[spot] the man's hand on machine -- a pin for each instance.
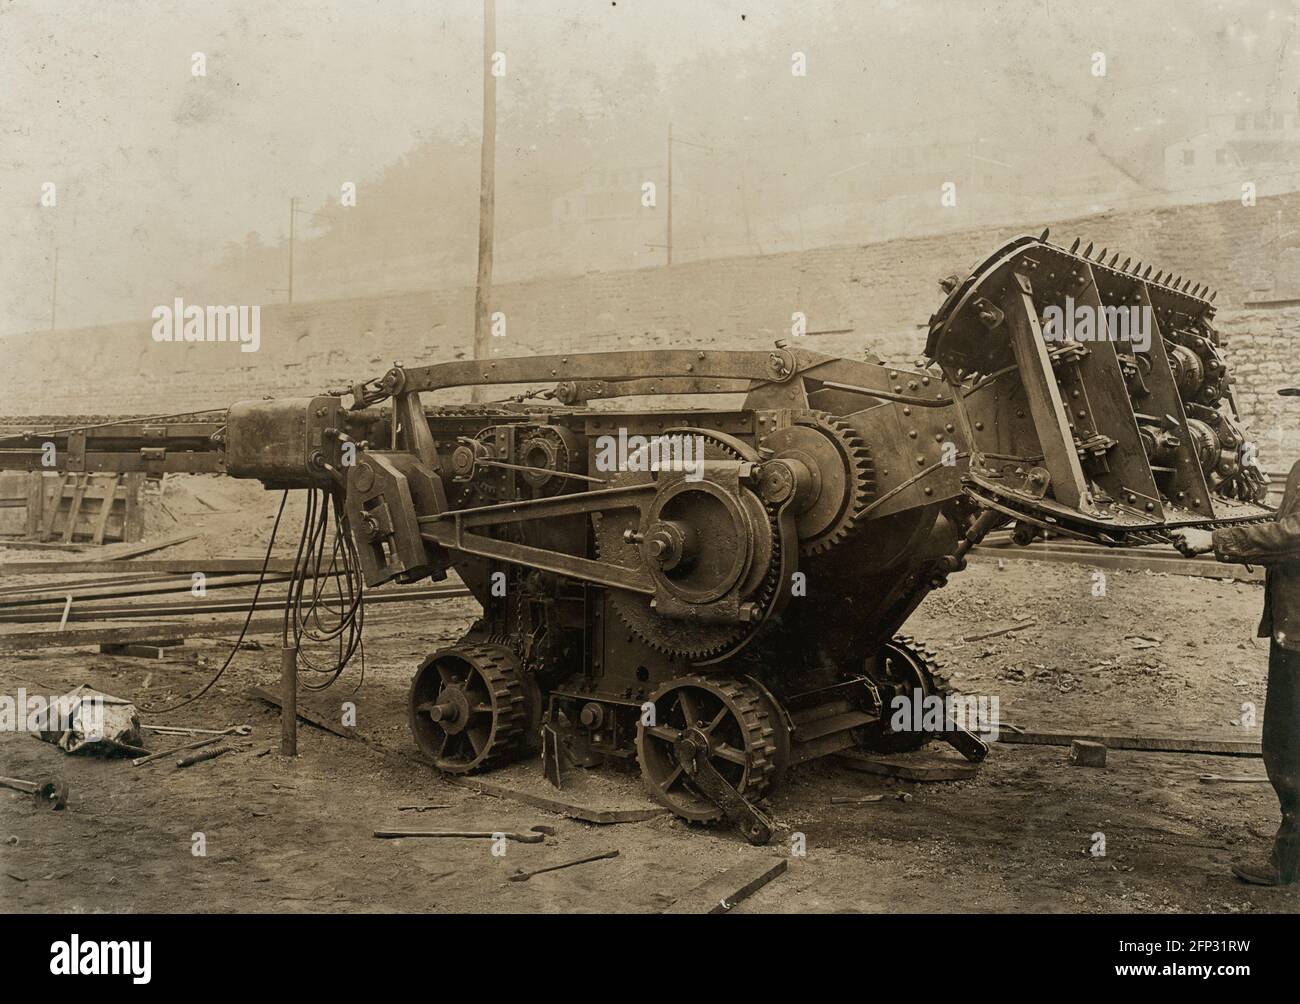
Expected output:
(1191, 542)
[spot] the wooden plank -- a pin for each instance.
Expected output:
(157, 545)
(36, 641)
(57, 592)
(108, 484)
(13, 520)
(124, 610)
(1153, 744)
(13, 487)
(908, 768)
(60, 588)
(133, 520)
(35, 504)
(306, 714)
(42, 545)
(74, 508)
(1100, 559)
(156, 649)
(51, 510)
(723, 892)
(186, 566)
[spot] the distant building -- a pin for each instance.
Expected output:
(1257, 145)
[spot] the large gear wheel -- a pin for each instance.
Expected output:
(726, 716)
(904, 666)
(844, 477)
(693, 640)
(467, 707)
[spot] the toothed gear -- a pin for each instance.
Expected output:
(911, 665)
(845, 476)
(693, 640)
(734, 715)
(467, 707)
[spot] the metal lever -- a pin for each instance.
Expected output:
(753, 824)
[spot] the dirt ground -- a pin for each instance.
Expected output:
(296, 836)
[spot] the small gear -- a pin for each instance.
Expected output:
(844, 477)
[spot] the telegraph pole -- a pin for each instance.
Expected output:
(670, 193)
(487, 192)
(293, 212)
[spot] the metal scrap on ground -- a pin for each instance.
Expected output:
(1000, 631)
(723, 892)
(524, 876)
(534, 835)
(1153, 744)
(892, 796)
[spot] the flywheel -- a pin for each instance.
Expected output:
(468, 707)
(708, 543)
(724, 720)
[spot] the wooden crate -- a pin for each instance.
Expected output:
(49, 507)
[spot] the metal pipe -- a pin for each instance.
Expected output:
(289, 700)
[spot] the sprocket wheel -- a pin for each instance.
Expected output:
(844, 476)
(904, 666)
(467, 707)
(728, 716)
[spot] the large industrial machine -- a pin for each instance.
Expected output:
(715, 594)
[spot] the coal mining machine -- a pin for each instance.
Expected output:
(711, 595)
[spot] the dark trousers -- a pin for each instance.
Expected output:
(1281, 743)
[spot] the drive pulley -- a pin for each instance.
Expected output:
(712, 546)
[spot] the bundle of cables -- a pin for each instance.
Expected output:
(323, 609)
(324, 612)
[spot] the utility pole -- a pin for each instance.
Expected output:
(293, 212)
(54, 287)
(670, 193)
(486, 193)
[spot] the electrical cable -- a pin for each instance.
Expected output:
(190, 699)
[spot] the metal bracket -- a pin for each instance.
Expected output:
(753, 824)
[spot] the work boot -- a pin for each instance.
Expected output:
(1281, 868)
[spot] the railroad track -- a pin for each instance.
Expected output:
(1152, 558)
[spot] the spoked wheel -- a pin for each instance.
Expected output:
(467, 707)
(902, 667)
(718, 718)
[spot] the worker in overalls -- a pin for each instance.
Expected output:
(1275, 545)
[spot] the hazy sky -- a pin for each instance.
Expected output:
(156, 170)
